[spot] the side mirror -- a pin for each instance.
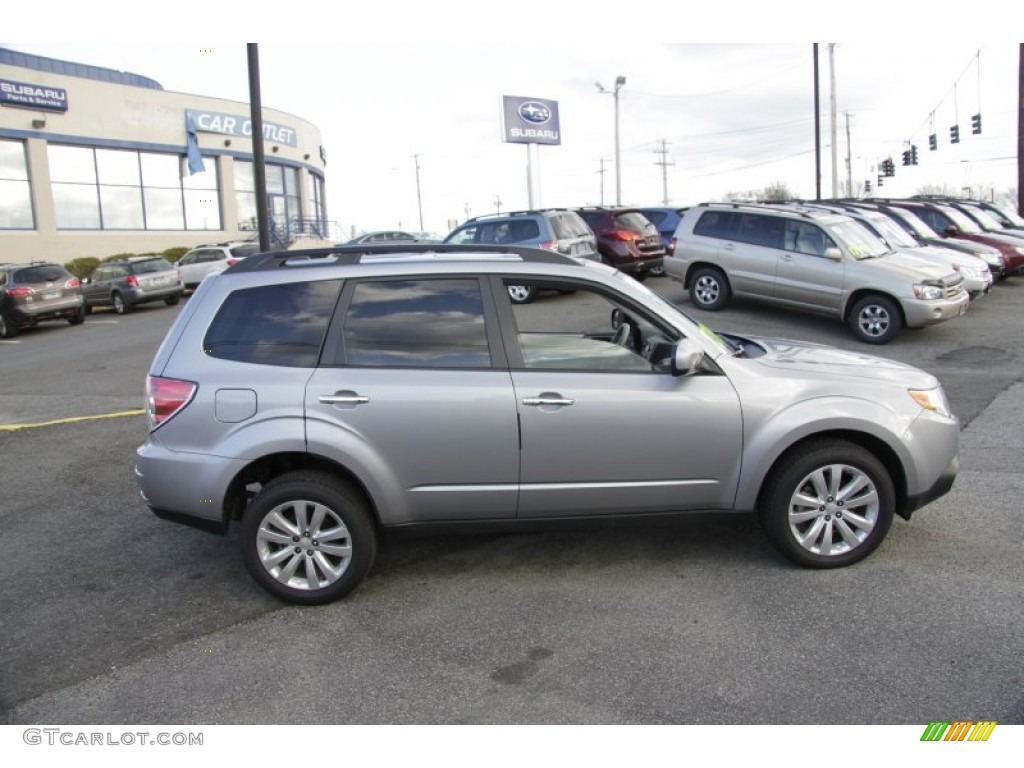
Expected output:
(618, 317)
(952, 230)
(686, 357)
(833, 253)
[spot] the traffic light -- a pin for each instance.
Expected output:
(906, 157)
(867, 184)
(913, 154)
(880, 180)
(976, 123)
(888, 167)
(933, 142)
(954, 134)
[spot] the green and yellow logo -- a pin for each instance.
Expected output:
(959, 730)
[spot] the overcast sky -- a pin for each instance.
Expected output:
(735, 116)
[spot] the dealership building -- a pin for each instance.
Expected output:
(96, 162)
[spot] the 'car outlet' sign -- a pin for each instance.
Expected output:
(238, 125)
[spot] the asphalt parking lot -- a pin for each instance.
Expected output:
(113, 616)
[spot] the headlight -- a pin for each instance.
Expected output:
(932, 400)
(992, 259)
(928, 292)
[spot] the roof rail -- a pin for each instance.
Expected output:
(352, 254)
(531, 212)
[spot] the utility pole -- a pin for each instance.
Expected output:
(601, 173)
(664, 162)
(849, 161)
(817, 129)
(619, 82)
(832, 111)
(497, 203)
(466, 209)
(1020, 130)
(419, 200)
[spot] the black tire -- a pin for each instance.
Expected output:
(658, 271)
(170, 301)
(8, 329)
(345, 513)
(875, 319)
(827, 534)
(522, 294)
(639, 276)
(87, 308)
(121, 306)
(709, 289)
(78, 318)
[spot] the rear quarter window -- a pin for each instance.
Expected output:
(274, 324)
(714, 224)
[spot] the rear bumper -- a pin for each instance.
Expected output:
(51, 310)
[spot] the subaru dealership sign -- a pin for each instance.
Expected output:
(15, 94)
(530, 121)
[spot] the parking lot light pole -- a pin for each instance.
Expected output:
(619, 82)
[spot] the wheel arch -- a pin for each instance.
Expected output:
(861, 293)
(874, 445)
(264, 469)
(711, 265)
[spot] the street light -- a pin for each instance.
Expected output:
(619, 82)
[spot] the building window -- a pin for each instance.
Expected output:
(120, 189)
(283, 196)
(15, 192)
(245, 196)
(316, 207)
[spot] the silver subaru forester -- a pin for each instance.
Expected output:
(325, 397)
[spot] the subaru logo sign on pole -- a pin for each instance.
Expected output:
(530, 121)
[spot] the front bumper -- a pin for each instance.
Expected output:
(919, 313)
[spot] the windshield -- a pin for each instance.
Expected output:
(858, 240)
(985, 219)
(962, 221)
(893, 233)
(915, 222)
(1010, 215)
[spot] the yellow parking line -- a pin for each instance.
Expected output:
(72, 420)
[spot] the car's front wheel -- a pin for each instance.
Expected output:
(709, 288)
(875, 319)
(522, 294)
(308, 538)
(827, 504)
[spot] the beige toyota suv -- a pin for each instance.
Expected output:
(809, 260)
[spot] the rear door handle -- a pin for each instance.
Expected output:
(344, 398)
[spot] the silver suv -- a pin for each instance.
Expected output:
(809, 260)
(324, 397)
(554, 229)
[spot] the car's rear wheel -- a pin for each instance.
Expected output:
(78, 318)
(522, 294)
(875, 319)
(121, 306)
(709, 288)
(8, 329)
(308, 538)
(170, 301)
(827, 504)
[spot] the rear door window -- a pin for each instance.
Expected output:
(767, 231)
(274, 324)
(429, 323)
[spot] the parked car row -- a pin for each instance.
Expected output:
(43, 291)
(619, 237)
(823, 259)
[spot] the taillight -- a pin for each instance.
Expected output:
(232, 262)
(19, 292)
(624, 235)
(132, 280)
(551, 245)
(72, 283)
(165, 397)
(672, 247)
